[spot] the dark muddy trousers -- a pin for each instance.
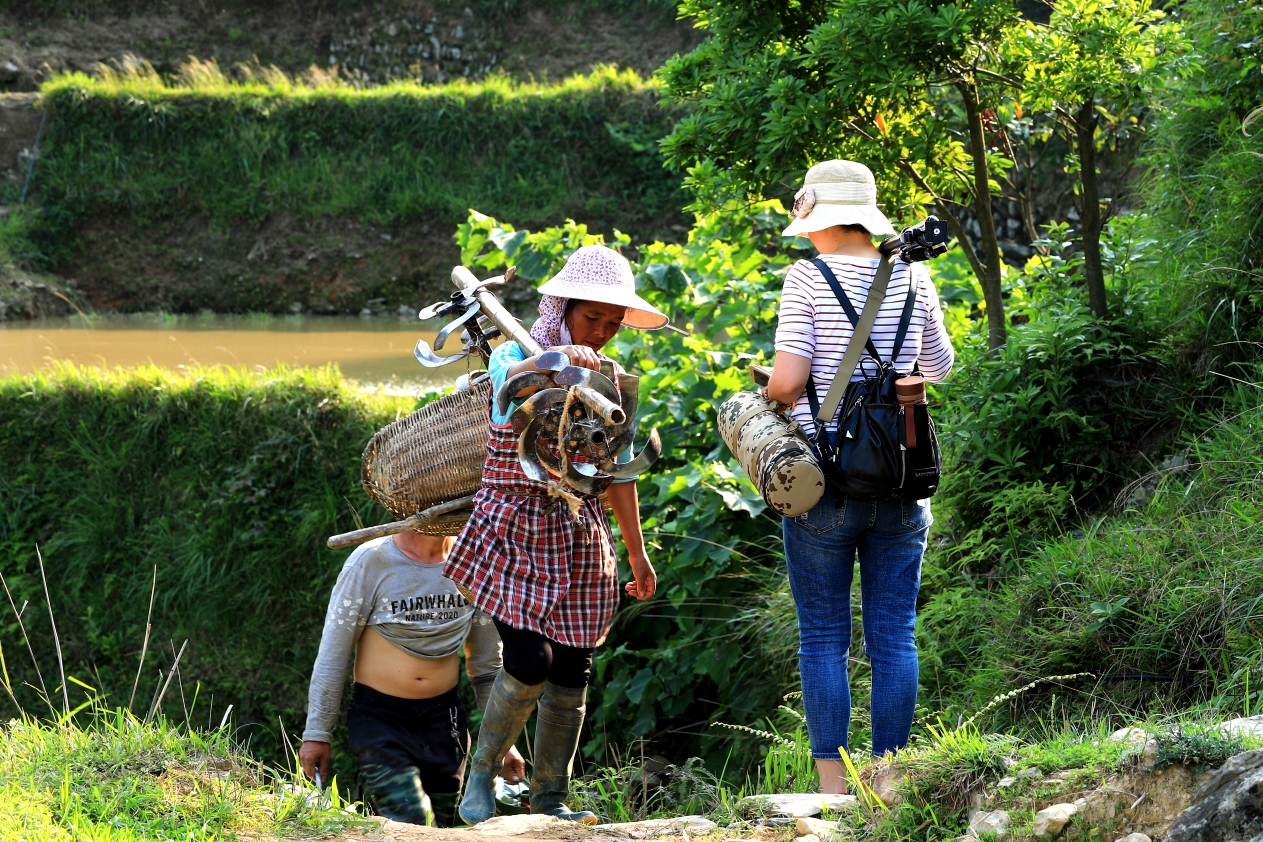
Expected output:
(407, 749)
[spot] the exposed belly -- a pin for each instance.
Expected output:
(388, 669)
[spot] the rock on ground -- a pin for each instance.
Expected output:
(798, 804)
(994, 821)
(653, 828)
(1246, 726)
(818, 829)
(1051, 820)
(1228, 805)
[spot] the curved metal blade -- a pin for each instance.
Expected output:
(429, 359)
(452, 325)
(534, 407)
(526, 453)
(643, 461)
(440, 309)
(573, 375)
(514, 386)
(552, 361)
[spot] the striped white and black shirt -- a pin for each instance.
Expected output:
(812, 324)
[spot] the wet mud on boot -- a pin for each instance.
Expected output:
(508, 708)
(561, 712)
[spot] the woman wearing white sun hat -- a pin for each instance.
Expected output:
(549, 580)
(837, 209)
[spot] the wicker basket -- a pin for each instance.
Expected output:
(433, 456)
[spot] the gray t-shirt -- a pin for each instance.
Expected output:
(408, 603)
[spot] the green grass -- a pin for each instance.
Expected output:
(227, 482)
(199, 145)
(106, 776)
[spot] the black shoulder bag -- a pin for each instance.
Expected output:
(880, 453)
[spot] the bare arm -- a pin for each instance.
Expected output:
(626, 504)
(789, 378)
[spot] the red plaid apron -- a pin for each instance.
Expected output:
(527, 562)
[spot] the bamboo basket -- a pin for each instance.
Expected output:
(431, 457)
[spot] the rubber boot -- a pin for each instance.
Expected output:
(561, 711)
(507, 711)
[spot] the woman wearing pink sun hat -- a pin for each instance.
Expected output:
(549, 580)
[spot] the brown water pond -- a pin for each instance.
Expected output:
(371, 351)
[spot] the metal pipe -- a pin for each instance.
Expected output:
(494, 310)
(607, 410)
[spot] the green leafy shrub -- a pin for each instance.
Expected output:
(1159, 603)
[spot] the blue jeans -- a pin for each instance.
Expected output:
(820, 548)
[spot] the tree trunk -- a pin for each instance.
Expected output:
(1090, 216)
(990, 256)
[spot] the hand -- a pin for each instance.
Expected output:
(646, 582)
(513, 770)
(580, 355)
(315, 755)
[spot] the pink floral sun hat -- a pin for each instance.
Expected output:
(598, 273)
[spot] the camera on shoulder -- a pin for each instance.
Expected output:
(923, 241)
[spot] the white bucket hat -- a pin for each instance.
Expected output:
(598, 273)
(838, 193)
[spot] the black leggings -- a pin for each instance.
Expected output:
(532, 658)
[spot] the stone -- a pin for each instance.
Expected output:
(994, 821)
(516, 825)
(798, 803)
(809, 838)
(816, 829)
(653, 828)
(1006, 782)
(1051, 820)
(8, 71)
(1134, 837)
(885, 784)
(1246, 726)
(1029, 774)
(1226, 805)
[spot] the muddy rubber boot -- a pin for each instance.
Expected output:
(507, 711)
(561, 711)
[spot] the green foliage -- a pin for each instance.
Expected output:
(116, 779)
(1204, 192)
(130, 142)
(902, 89)
(633, 792)
(1194, 746)
(228, 482)
(1167, 590)
(1093, 68)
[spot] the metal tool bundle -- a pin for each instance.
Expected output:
(572, 425)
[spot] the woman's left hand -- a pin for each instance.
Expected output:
(646, 582)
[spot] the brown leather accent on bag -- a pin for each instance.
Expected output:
(911, 391)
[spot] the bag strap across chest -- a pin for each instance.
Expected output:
(861, 336)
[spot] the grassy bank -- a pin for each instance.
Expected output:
(192, 191)
(110, 776)
(227, 482)
(238, 152)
